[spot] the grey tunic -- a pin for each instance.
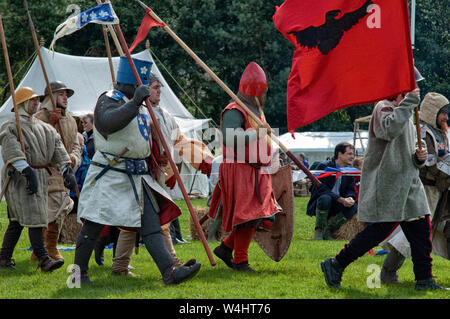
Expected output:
(391, 190)
(43, 147)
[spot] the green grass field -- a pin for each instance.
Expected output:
(296, 276)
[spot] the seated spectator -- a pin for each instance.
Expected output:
(302, 158)
(335, 199)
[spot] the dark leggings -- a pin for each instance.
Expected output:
(417, 232)
(12, 235)
(150, 232)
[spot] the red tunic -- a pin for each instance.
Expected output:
(239, 185)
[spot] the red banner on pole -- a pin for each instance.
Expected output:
(347, 53)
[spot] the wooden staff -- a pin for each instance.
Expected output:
(13, 97)
(108, 52)
(231, 94)
(417, 120)
(166, 148)
(47, 82)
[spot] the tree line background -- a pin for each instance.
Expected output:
(226, 35)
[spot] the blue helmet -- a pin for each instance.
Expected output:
(125, 75)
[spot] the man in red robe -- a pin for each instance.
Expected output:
(244, 189)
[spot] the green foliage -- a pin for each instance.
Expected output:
(226, 35)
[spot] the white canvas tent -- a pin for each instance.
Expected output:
(317, 146)
(89, 77)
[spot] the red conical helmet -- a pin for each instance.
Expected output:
(253, 80)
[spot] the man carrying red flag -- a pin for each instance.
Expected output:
(347, 53)
(244, 191)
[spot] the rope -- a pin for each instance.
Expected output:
(17, 73)
(185, 93)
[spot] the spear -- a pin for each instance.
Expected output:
(166, 148)
(13, 97)
(230, 93)
(47, 82)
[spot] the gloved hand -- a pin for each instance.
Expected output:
(142, 92)
(69, 178)
(55, 116)
(162, 160)
(206, 166)
(32, 181)
(171, 182)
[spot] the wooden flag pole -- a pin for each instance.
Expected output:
(166, 148)
(232, 95)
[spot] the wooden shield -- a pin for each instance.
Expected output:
(275, 243)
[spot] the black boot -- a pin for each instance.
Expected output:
(10, 239)
(47, 264)
(429, 283)
(8, 263)
(176, 275)
(243, 266)
(86, 241)
(333, 272)
(225, 253)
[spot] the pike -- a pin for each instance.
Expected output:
(13, 97)
(166, 28)
(47, 82)
(166, 148)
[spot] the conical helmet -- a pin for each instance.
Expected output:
(253, 81)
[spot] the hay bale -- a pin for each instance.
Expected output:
(70, 229)
(200, 212)
(349, 229)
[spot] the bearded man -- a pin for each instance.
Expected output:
(59, 201)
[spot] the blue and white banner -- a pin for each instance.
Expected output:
(101, 14)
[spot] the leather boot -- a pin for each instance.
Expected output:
(321, 223)
(335, 223)
(176, 275)
(394, 260)
(8, 263)
(243, 266)
(47, 264)
(333, 272)
(51, 241)
(428, 284)
(225, 253)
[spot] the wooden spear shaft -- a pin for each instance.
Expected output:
(231, 94)
(13, 97)
(47, 82)
(108, 52)
(166, 148)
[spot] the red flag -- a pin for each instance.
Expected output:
(358, 55)
(147, 23)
